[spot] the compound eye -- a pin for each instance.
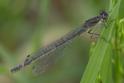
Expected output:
(104, 15)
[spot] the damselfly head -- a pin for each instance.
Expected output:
(104, 15)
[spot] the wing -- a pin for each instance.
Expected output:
(44, 63)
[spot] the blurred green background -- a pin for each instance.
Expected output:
(26, 25)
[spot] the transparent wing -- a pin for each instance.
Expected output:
(44, 63)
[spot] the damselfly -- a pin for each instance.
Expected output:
(49, 49)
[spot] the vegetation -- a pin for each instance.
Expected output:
(26, 25)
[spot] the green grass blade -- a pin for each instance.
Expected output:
(101, 53)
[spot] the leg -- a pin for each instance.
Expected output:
(93, 35)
